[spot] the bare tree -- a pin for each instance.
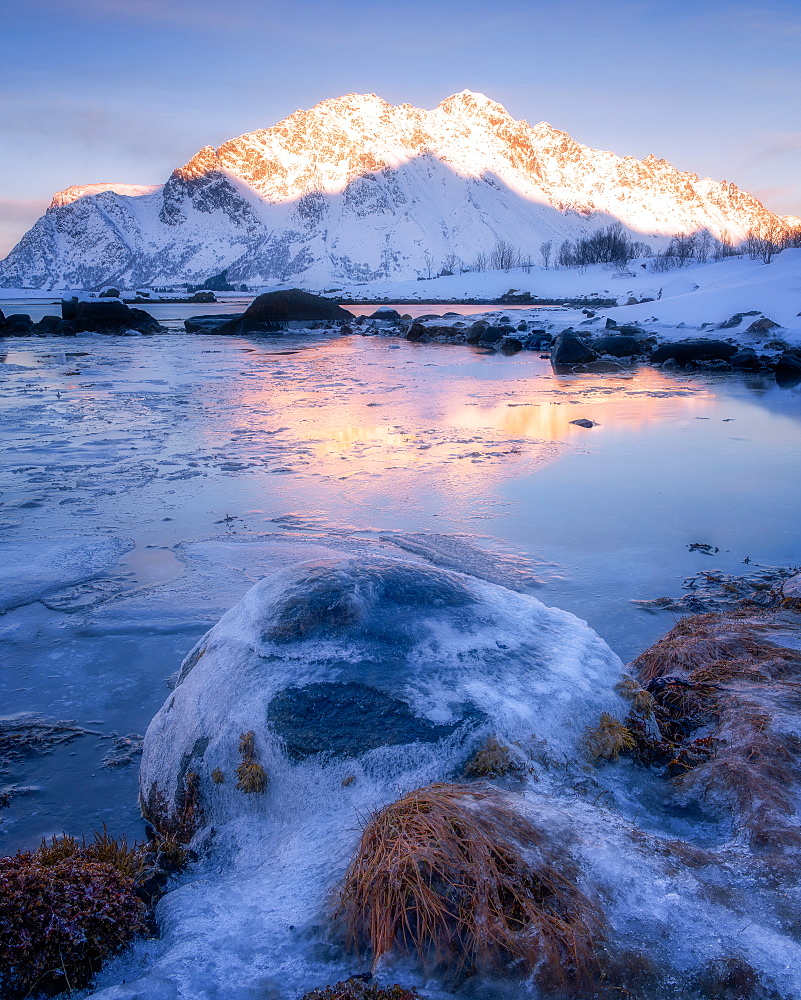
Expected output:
(451, 264)
(503, 256)
(428, 260)
(545, 252)
(770, 241)
(481, 262)
(703, 246)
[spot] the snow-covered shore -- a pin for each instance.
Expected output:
(673, 305)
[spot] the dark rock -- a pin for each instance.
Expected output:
(204, 296)
(22, 318)
(568, 349)
(206, 324)
(492, 334)
(618, 346)
(108, 316)
(346, 330)
(429, 316)
(50, 325)
(511, 345)
(763, 325)
(345, 720)
(415, 332)
(686, 351)
(610, 324)
(744, 358)
(736, 319)
(788, 364)
(2, 317)
(583, 422)
(269, 313)
(18, 325)
(631, 331)
(110, 293)
(522, 326)
(387, 314)
(474, 332)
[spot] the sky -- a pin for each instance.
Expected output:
(126, 90)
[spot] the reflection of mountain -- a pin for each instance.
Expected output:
(356, 189)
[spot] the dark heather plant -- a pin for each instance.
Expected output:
(60, 918)
(69, 905)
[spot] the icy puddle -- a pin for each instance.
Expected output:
(148, 483)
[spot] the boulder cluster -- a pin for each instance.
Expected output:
(570, 348)
(108, 315)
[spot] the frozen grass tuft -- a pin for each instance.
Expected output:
(608, 739)
(455, 876)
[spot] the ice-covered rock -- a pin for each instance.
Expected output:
(368, 661)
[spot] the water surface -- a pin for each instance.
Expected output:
(148, 482)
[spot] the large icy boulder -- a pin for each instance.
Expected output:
(365, 664)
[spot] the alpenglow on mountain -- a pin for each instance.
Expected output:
(355, 190)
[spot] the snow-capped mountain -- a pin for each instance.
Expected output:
(355, 190)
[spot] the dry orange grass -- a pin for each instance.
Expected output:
(696, 642)
(446, 873)
(608, 739)
(742, 692)
(251, 776)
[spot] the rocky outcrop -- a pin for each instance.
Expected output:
(618, 346)
(107, 316)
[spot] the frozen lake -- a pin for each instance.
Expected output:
(148, 482)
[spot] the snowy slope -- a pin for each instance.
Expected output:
(358, 190)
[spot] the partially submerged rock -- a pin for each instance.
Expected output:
(569, 349)
(108, 316)
(271, 312)
(788, 364)
(684, 352)
(618, 346)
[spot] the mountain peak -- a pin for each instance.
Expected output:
(472, 102)
(355, 188)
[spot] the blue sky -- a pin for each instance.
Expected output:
(125, 90)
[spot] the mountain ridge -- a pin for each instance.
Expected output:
(355, 189)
